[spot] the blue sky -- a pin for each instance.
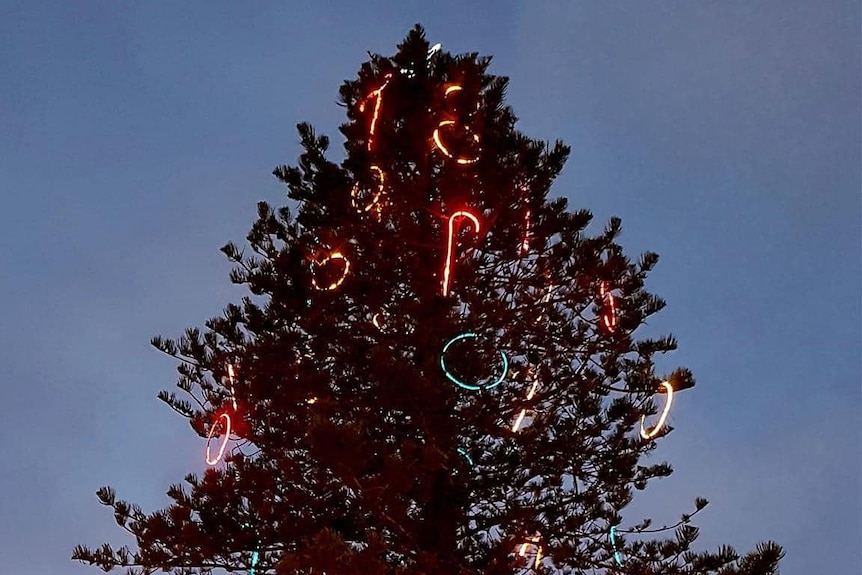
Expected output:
(136, 138)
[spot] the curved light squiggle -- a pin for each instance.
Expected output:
(333, 256)
(460, 383)
(375, 197)
(451, 244)
(436, 135)
(466, 456)
(649, 435)
(210, 460)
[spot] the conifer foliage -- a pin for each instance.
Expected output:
(438, 374)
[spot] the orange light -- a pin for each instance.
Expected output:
(232, 392)
(649, 435)
(375, 198)
(218, 457)
(447, 268)
(525, 245)
(530, 395)
(333, 256)
(461, 160)
(610, 320)
(378, 95)
(311, 400)
(378, 320)
(534, 541)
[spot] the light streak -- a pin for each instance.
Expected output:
(254, 557)
(333, 256)
(608, 297)
(530, 395)
(378, 95)
(375, 197)
(447, 268)
(232, 392)
(466, 456)
(218, 457)
(534, 541)
(460, 383)
(649, 435)
(525, 245)
(614, 543)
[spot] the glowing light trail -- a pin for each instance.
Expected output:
(378, 95)
(451, 242)
(460, 383)
(333, 256)
(649, 435)
(210, 460)
(609, 319)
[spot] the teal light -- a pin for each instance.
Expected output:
(467, 457)
(465, 385)
(614, 543)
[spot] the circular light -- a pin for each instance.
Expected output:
(218, 457)
(650, 434)
(465, 385)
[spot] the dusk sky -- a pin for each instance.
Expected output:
(137, 137)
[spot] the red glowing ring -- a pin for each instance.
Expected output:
(209, 459)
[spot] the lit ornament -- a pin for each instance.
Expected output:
(451, 244)
(649, 435)
(534, 541)
(460, 159)
(614, 543)
(460, 383)
(530, 395)
(378, 320)
(210, 460)
(378, 96)
(375, 197)
(333, 256)
(610, 319)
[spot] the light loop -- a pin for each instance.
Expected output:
(210, 460)
(336, 255)
(458, 382)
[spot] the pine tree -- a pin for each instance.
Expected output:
(438, 374)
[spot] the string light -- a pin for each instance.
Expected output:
(378, 95)
(614, 543)
(230, 378)
(530, 395)
(525, 245)
(649, 435)
(375, 198)
(451, 242)
(460, 383)
(534, 541)
(436, 135)
(254, 557)
(609, 319)
(209, 459)
(336, 255)
(379, 320)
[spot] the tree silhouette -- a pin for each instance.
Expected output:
(438, 375)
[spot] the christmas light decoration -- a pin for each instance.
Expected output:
(336, 255)
(614, 543)
(466, 456)
(254, 557)
(649, 435)
(460, 383)
(379, 320)
(378, 96)
(375, 197)
(230, 378)
(451, 244)
(525, 245)
(436, 135)
(610, 319)
(210, 460)
(534, 541)
(524, 411)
